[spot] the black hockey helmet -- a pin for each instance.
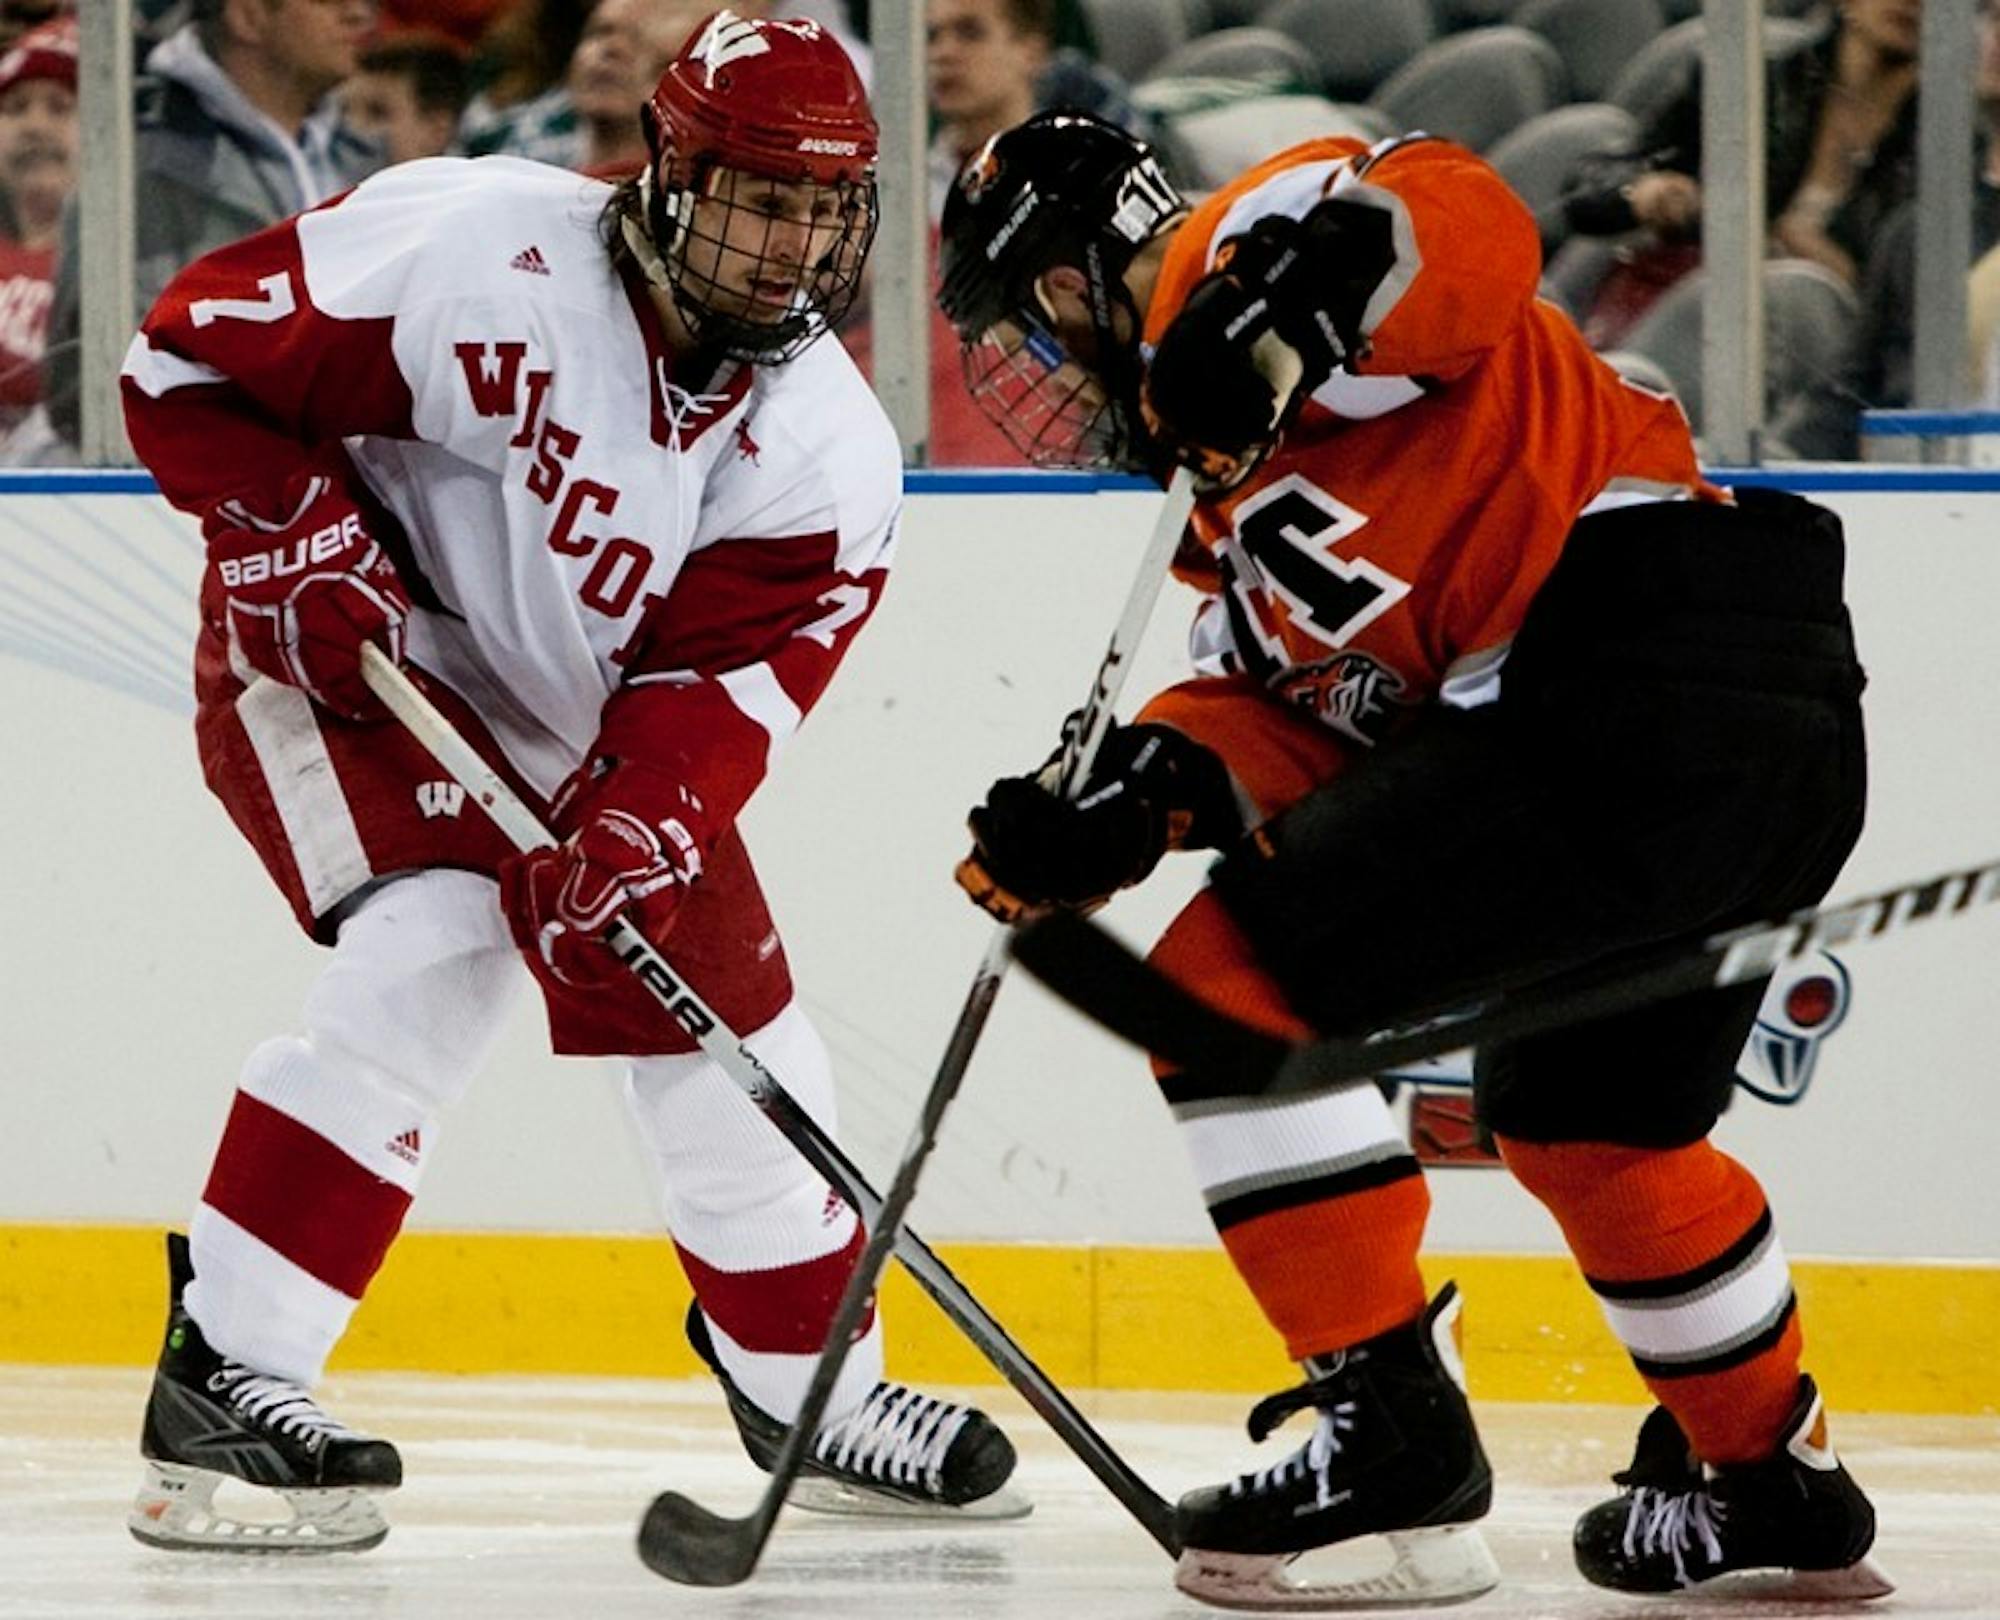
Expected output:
(1063, 188)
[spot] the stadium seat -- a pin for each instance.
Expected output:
(1573, 273)
(1811, 322)
(1234, 13)
(1357, 43)
(1260, 54)
(1475, 87)
(1132, 35)
(1669, 335)
(1212, 146)
(1658, 73)
(1681, 10)
(1595, 38)
(1538, 157)
(1638, 369)
(1453, 15)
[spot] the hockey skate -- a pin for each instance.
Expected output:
(210, 1420)
(1394, 1455)
(1794, 1525)
(902, 1454)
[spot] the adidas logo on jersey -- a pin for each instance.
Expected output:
(530, 259)
(408, 1146)
(436, 799)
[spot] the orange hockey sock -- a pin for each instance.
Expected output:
(1319, 1201)
(1679, 1247)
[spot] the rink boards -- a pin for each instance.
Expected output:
(145, 955)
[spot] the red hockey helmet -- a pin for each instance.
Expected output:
(776, 98)
(779, 103)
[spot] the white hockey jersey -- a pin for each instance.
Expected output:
(598, 555)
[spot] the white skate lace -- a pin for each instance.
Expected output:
(1314, 1457)
(1672, 1522)
(898, 1436)
(273, 1403)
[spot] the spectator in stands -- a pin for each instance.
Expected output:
(991, 63)
(1840, 128)
(571, 121)
(518, 74)
(38, 148)
(1889, 288)
(237, 128)
(981, 58)
(463, 23)
(407, 96)
(626, 46)
(17, 17)
(38, 134)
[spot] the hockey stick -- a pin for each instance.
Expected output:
(524, 830)
(741, 1065)
(686, 1542)
(1098, 976)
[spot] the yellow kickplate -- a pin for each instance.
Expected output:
(1891, 1337)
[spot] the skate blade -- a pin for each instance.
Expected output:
(1857, 1582)
(839, 1499)
(175, 1512)
(1443, 1564)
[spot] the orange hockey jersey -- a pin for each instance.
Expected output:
(1385, 553)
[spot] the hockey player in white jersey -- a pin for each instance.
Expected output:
(579, 456)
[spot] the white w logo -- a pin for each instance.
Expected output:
(436, 799)
(728, 38)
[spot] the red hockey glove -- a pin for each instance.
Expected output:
(1151, 789)
(634, 845)
(305, 589)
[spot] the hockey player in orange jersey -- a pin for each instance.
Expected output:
(1490, 682)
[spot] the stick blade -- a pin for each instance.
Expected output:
(685, 1542)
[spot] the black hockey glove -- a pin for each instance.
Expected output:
(1279, 312)
(1151, 789)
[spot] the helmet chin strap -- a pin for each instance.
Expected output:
(643, 229)
(1118, 364)
(649, 232)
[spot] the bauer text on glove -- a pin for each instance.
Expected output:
(305, 586)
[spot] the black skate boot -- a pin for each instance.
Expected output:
(903, 1454)
(210, 1419)
(1793, 1525)
(1394, 1454)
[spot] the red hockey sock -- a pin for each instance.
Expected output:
(290, 1187)
(781, 1310)
(1678, 1246)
